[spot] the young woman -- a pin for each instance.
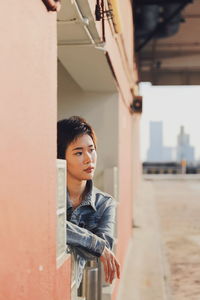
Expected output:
(90, 212)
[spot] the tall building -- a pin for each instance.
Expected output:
(154, 153)
(184, 150)
(157, 152)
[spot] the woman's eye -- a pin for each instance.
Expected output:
(91, 150)
(78, 153)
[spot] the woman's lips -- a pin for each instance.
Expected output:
(89, 170)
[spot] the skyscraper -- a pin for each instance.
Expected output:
(184, 150)
(154, 153)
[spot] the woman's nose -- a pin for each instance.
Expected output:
(87, 157)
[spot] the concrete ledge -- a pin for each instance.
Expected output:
(171, 177)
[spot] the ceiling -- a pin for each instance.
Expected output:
(81, 49)
(174, 60)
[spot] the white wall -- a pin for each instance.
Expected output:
(100, 110)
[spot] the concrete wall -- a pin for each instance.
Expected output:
(100, 110)
(117, 130)
(109, 113)
(28, 154)
(118, 145)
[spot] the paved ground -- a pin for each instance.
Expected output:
(178, 203)
(164, 256)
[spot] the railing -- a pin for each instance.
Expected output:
(171, 168)
(90, 288)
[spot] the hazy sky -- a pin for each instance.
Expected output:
(175, 106)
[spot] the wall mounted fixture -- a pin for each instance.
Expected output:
(100, 13)
(136, 105)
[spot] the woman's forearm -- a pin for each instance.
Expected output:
(83, 253)
(81, 237)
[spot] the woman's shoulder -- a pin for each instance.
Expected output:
(100, 192)
(102, 198)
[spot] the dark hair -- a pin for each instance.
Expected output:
(68, 130)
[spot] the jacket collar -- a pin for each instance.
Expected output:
(89, 199)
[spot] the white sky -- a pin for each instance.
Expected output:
(175, 106)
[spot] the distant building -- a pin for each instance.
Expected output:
(184, 150)
(154, 152)
(157, 152)
(167, 153)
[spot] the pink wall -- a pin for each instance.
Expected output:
(127, 23)
(28, 153)
(128, 158)
(125, 126)
(124, 216)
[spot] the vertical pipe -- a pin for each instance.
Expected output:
(91, 283)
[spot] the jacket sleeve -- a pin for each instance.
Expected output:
(84, 253)
(91, 244)
(105, 228)
(85, 239)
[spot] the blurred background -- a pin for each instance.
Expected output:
(169, 125)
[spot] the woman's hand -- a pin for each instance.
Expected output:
(52, 5)
(111, 265)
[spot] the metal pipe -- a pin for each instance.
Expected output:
(85, 21)
(81, 17)
(91, 289)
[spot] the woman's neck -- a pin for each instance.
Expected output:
(76, 189)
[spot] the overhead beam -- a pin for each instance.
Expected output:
(161, 25)
(168, 54)
(158, 2)
(171, 77)
(177, 45)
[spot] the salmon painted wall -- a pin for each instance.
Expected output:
(125, 8)
(124, 210)
(28, 154)
(125, 125)
(136, 159)
(125, 179)
(128, 126)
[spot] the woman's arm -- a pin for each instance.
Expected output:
(94, 242)
(83, 238)
(100, 243)
(105, 228)
(80, 238)
(84, 253)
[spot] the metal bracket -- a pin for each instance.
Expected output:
(100, 13)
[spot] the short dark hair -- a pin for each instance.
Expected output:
(68, 130)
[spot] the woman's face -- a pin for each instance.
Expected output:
(81, 158)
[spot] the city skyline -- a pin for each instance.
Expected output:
(158, 152)
(174, 106)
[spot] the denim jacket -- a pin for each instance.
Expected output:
(90, 227)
